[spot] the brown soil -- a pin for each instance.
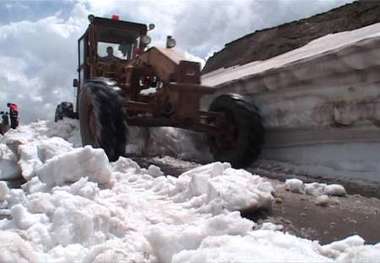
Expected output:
(343, 217)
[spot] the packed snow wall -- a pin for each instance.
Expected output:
(320, 103)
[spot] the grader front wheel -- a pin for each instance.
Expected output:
(102, 119)
(241, 134)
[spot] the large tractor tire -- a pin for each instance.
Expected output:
(102, 118)
(242, 133)
(64, 109)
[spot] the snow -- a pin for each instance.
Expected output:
(322, 200)
(15, 249)
(71, 166)
(148, 91)
(316, 47)
(335, 189)
(315, 189)
(295, 185)
(78, 207)
(4, 190)
(168, 141)
(8, 163)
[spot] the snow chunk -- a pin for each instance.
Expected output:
(148, 91)
(4, 190)
(314, 189)
(335, 190)
(240, 189)
(51, 147)
(67, 129)
(23, 219)
(256, 246)
(360, 254)
(168, 240)
(125, 165)
(70, 167)
(271, 226)
(155, 171)
(336, 248)
(34, 154)
(8, 163)
(217, 186)
(14, 249)
(29, 160)
(322, 200)
(295, 186)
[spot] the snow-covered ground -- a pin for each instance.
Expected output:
(78, 207)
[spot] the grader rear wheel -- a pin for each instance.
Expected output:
(242, 133)
(102, 118)
(64, 109)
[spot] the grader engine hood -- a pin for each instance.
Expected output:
(171, 65)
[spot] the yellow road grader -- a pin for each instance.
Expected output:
(122, 81)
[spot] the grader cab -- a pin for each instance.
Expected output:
(121, 81)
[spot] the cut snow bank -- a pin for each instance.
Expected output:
(316, 47)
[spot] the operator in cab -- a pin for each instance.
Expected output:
(110, 56)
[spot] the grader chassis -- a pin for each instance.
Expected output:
(153, 87)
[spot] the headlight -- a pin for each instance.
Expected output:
(146, 40)
(170, 42)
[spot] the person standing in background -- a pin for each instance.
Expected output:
(13, 114)
(4, 125)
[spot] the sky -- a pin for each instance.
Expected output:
(38, 39)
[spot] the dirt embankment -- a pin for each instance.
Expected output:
(267, 43)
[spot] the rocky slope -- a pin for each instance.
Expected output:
(271, 42)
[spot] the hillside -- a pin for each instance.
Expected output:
(267, 43)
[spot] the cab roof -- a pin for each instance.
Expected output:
(108, 22)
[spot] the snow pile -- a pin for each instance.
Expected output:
(215, 186)
(63, 215)
(260, 245)
(71, 166)
(169, 240)
(78, 207)
(24, 150)
(314, 189)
